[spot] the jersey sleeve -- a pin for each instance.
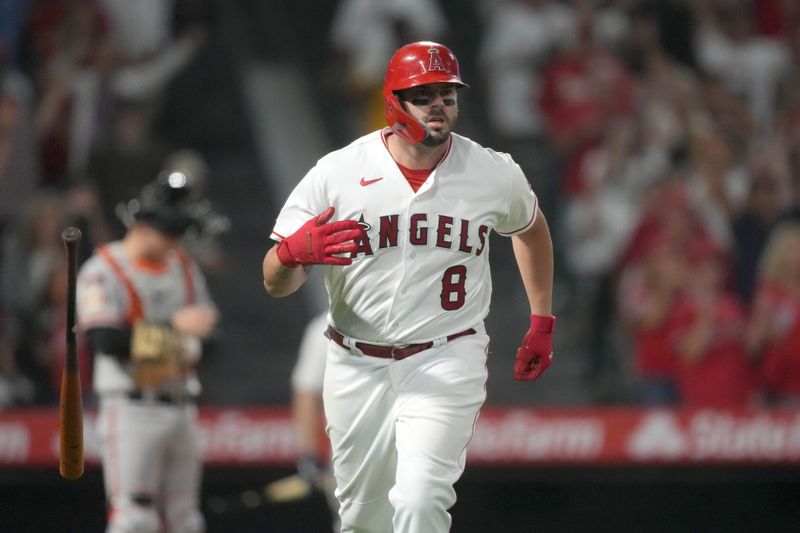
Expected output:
(100, 299)
(305, 202)
(522, 205)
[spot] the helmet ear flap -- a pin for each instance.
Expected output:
(402, 123)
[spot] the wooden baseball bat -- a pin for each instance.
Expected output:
(285, 490)
(71, 407)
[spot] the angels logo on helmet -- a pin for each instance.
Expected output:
(435, 62)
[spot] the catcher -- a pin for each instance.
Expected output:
(145, 309)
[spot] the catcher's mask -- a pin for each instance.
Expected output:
(415, 64)
(172, 206)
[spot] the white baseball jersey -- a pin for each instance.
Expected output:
(422, 272)
(103, 299)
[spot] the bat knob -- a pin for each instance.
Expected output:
(71, 234)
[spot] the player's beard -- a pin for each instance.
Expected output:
(438, 138)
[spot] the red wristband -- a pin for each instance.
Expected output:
(543, 324)
(284, 256)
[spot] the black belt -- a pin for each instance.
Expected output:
(160, 397)
(397, 351)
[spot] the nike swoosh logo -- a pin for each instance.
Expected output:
(365, 182)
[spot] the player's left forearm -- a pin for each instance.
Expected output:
(533, 250)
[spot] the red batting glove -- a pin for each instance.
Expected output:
(536, 352)
(316, 242)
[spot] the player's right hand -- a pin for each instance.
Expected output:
(318, 242)
(536, 352)
(197, 320)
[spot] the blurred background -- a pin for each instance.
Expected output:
(662, 138)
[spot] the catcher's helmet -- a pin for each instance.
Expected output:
(414, 64)
(172, 205)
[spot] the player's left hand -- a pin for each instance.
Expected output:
(312, 469)
(156, 353)
(536, 352)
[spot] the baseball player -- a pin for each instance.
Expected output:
(401, 219)
(144, 307)
(307, 380)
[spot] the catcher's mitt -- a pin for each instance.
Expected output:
(156, 355)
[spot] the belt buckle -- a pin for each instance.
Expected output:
(397, 347)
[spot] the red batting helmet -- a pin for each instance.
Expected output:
(416, 64)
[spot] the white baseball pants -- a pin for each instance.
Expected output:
(399, 432)
(153, 451)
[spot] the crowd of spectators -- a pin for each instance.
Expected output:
(675, 135)
(662, 137)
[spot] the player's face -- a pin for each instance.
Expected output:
(158, 244)
(436, 106)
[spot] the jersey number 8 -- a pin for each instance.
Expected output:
(453, 292)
